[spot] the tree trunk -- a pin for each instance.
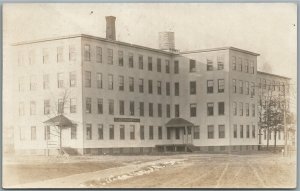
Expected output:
(268, 136)
(275, 135)
(60, 142)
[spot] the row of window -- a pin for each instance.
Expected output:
(243, 66)
(242, 87)
(273, 85)
(241, 107)
(279, 135)
(240, 132)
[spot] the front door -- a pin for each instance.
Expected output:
(187, 136)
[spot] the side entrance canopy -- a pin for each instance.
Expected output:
(59, 120)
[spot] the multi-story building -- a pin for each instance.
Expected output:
(125, 98)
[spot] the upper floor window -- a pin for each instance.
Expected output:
(221, 85)
(176, 67)
(46, 107)
(167, 66)
(177, 110)
(88, 79)
(150, 89)
(159, 110)
(159, 87)
(193, 110)
(150, 109)
(98, 54)
(87, 52)
(141, 62)
(241, 87)
(121, 83)
(59, 55)
(210, 109)
(251, 67)
(221, 108)
(110, 58)
(210, 86)
(234, 85)
(192, 66)
(121, 107)
(88, 105)
(121, 58)
(240, 64)
(99, 80)
(111, 107)
(110, 82)
(60, 106)
(192, 87)
(176, 88)
(73, 105)
(131, 84)
(234, 108)
(233, 63)
(253, 89)
(158, 65)
(220, 62)
(130, 60)
(241, 108)
(60, 80)
(141, 85)
(150, 63)
(72, 53)
(168, 88)
(72, 79)
(210, 64)
(247, 109)
(247, 88)
(246, 65)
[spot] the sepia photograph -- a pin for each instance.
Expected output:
(149, 95)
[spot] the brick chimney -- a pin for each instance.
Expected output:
(110, 28)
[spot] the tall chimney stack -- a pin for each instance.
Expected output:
(166, 41)
(110, 28)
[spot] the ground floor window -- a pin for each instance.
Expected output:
(142, 132)
(197, 132)
(159, 132)
(100, 131)
(150, 132)
(88, 131)
(221, 131)
(210, 131)
(111, 132)
(132, 132)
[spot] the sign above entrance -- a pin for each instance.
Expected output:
(126, 120)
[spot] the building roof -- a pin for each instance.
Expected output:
(94, 38)
(178, 122)
(269, 74)
(59, 120)
(221, 48)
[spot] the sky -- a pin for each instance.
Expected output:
(268, 29)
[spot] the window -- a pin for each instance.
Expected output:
(141, 85)
(131, 84)
(247, 109)
(150, 86)
(246, 66)
(220, 62)
(33, 133)
(233, 63)
(100, 106)
(221, 131)
(111, 132)
(99, 54)
(159, 132)
(46, 132)
(168, 88)
(88, 79)
(151, 132)
(168, 110)
(21, 109)
(111, 107)
(210, 131)
(121, 58)
(192, 65)
(210, 86)
(159, 87)
(234, 86)
(234, 108)
(132, 132)
(209, 65)
(192, 87)
(121, 107)
(253, 89)
(141, 62)
(241, 87)
(177, 110)
(73, 105)
(248, 131)
(247, 88)
(110, 82)
(176, 67)
(33, 83)
(46, 107)
(149, 63)
(235, 131)
(159, 110)
(88, 105)
(158, 65)
(193, 110)
(131, 108)
(73, 132)
(240, 64)
(241, 131)
(60, 54)
(221, 86)
(87, 52)
(253, 110)
(122, 132)
(142, 132)
(32, 108)
(251, 67)
(241, 108)
(196, 132)
(221, 108)
(88, 131)
(110, 58)
(99, 80)
(142, 109)
(210, 109)
(72, 79)
(253, 132)
(100, 131)
(168, 133)
(130, 60)
(60, 80)
(46, 56)
(177, 133)
(60, 106)
(167, 66)
(150, 109)
(176, 88)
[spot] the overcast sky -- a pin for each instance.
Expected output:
(267, 29)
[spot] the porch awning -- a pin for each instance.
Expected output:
(59, 120)
(178, 122)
